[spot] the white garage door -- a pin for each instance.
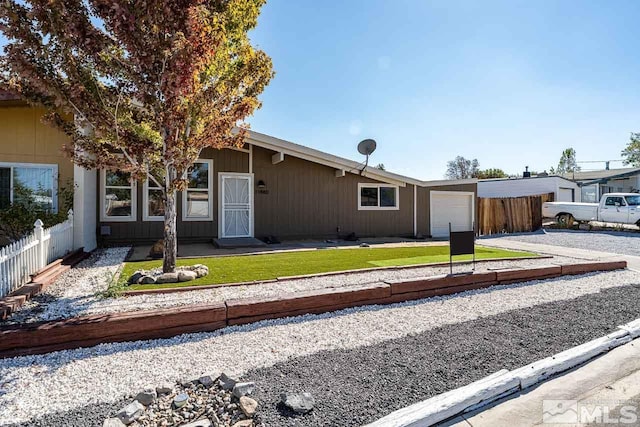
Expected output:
(455, 207)
(565, 195)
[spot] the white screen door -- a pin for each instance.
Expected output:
(237, 205)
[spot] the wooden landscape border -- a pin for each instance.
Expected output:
(88, 331)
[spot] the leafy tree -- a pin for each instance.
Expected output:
(567, 163)
(461, 168)
(380, 166)
(141, 87)
(631, 153)
(491, 173)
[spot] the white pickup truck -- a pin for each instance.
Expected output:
(623, 208)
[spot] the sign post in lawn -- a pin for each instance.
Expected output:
(462, 243)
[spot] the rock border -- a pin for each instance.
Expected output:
(504, 383)
(88, 331)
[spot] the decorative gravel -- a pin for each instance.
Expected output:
(75, 290)
(358, 386)
(75, 293)
(31, 386)
(616, 242)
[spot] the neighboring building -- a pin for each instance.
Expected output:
(270, 187)
(594, 184)
(563, 189)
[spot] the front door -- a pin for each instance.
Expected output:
(615, 209)
(236, 207)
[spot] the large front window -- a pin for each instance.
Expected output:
(118, 201)
(153, 200)
(197, 201)
(29, 184)
(377, 197)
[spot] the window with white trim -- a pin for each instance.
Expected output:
(378, 197)
(197, 198)
(118, 196)
(153, 201)
(29, 182)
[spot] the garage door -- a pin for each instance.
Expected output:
(455, 207)
(566, 195)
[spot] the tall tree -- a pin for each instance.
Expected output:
(149, 84)
(380, 166)
(567, 163)
(490, 173)
(631, 153)
(461, 168)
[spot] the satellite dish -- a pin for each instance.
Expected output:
(366, 147)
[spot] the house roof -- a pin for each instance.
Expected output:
(520, 178)
(602, 175)
(340, 163)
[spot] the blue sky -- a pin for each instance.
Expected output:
(511, 83)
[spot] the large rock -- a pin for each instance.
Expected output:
(248, 406)
(147, 396)
(300, 403)
(186, 275)
(164, 388)
(131, 412)
(227, 381)
(200, 423)
(147, 280)
(208, 380)
(135, 277)
(242, 389)
(243, 423)
(112, 422)
(167, 278)
(180, 400)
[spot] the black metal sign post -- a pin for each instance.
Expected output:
(462, 243)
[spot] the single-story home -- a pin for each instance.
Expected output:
(270, 187)
(564, 190)
(594, 184)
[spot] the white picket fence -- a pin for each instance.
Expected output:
(25, 257)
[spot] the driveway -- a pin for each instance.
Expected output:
(623, 243)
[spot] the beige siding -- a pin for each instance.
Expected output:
(25, 139)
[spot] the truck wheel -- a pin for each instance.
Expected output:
(566, 220)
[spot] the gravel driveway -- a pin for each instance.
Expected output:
(604, 241)
(34, 386)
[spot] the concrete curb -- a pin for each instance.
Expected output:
(504, 383)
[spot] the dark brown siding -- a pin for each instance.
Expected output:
(150, 231)
(307, 200)
(424, 208)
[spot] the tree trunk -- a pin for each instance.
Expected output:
(170, 234)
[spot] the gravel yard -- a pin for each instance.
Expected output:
(35, 385)
(74, 294)
(616, 242)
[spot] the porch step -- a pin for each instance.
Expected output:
(238, 242)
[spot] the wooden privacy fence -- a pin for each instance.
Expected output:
(511, 214)
(21, 259)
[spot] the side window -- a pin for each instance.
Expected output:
(633, 200)
(612, 201)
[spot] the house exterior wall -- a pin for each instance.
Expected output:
(306, 199)
(150, 231)
(424, 204)
(625, 185)
(25, 139)
(526, 187)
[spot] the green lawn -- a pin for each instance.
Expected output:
(249, 268)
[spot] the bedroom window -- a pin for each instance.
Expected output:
(118, 198)
(29, 182)
(153, 202)
(197, 200)
(377, 197)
